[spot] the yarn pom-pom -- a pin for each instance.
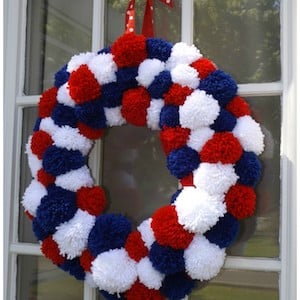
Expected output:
(177, 94)
(126, 78)
(199, 137)
(240, 201)
(147, 233)
(181, 162)
(64, 115)
(204, 67)
(129, 50)
(47, 102)
(109, 296)
(50, 249)
(167, 230)
(224, 122)
(110, 232)
(86, 259)
(185, 76)
(223, 147)
(45, 178)
(224, 232)
(238, 107)
(160, 85)
(38, 231)
(175, 195)
(169, 116)
(40, 141)
(74, 268)
(111, 95)
(61, 77)
(166, 259)
(177, 286)
(153, 113)
(220, 85)
(135, 246)
(158, 48)
(89, 132)
(139, 291)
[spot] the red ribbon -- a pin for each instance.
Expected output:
(148, 28)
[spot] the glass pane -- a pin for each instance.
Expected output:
(135, 175)
(259, 235)
(25, 230)
(39, 279)
(167, 21)
(56, 31)
(237, 285)
(241, 37)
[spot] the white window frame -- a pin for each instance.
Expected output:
(15, 101)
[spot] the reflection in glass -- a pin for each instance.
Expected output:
(241, 37)
(239, 285)
(39, 279)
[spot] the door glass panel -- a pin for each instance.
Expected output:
(55, 32)
(237, 285)
(241, 37)
(39, 279)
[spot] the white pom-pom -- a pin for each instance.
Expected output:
(182, 54)
(104, 68)
(114, 271)
(114, 116)
(215, 178)
(203, 260)
(70, 138)
(149, 276)
(199, 137)
(72, 236)
(63, 96)
(78, 60)
(32, 196)
(198, 110)
(153, 113)
(48, 125)
(185, 76)
(148, 69)
(197, 210)
(90, 280)
(249, 134)
(35, 164)
(147, 233)
(75, 179)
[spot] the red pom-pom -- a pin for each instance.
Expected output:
(91, 199)
(174, 138)
(45, 178)
(135, 246)
(134, 106)
(204, 67)
(47, 102)
(187, 180)
(167, 230)
(40, 142)
(29, 215)
(177, 94)
(240, 201)
(138, 291)
(90, 133)
(223, 147)
(238, 107)
(129, 50)
(50, 249)
(86, 259)
(83, 85)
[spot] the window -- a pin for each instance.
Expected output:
(252, 40)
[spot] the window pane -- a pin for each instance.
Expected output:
(25, 230)
(56, 31)
(39, 279)
(135, 175)
(241, 37)
(237, 285)
(259, 235)
(167, 21)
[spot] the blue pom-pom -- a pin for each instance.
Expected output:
(37, 124)
(181, 162)
(38, 231)
(248, 168)
(111, 95)
(61, 77)
(169, 116)
(74, 268)
(58, 161)
(158, 48)
(175, 195)
(105, 50)
(160, 85)
(166, 259)
(177, 286)
(91, 114)
(110, 232)
(220, 85)
(64, 115)
(224, 232)
(108, 296)
(226, 121)
(126, 78)
(57, 207)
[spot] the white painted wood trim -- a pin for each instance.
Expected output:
(187, 21)
(25, 248)
(260, 89)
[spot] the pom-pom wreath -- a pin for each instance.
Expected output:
(211, 144)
